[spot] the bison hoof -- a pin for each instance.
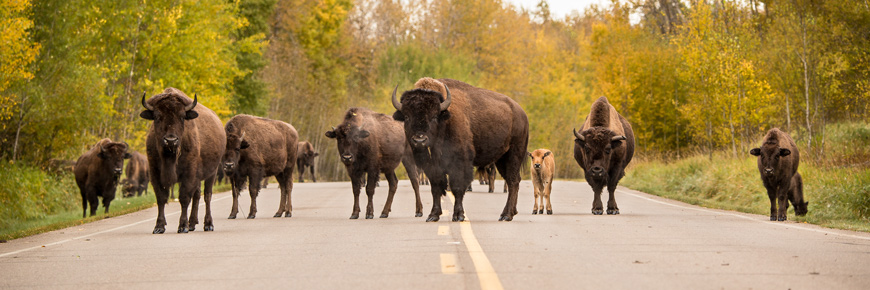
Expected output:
(505, 218)
(534, 211)
(231, 217)
(288, 214)
(383, 215)
(433, 218)
(252, 216)
(370, 216)
(182, 230)
(459, 218)
(782, 219)
(355, 216)
(208, 228)
(192, 228)
(612, 211)
(277, 214)
(597, 211)
(773, 218)
(541, 211)
(549, 211)
(419, 214)
(158, 231)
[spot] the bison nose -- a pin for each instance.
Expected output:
(117, 171)
(420, 139)
(768, 170)
(537, 165)
(170, 141)
(597, 169)
(346, 157)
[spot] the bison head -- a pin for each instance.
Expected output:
(768, 157)
(538, 158)
(351, 141)
(801, 208)
(113, 154)
(235, 144)
(169, 114)
(129, 187)
(596, 144)
(422, 111)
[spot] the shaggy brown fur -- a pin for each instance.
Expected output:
(97, 173)
(257, 148)
(486, 175)
(137, 175)
(184, 146)
(305, 154)
(603, 148)
(543, 173)
(778, 160)
(477, 128)
(370, 143)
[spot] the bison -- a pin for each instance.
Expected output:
(257, 148)
(486, 175)
(370, 143)
(452, 127)
(305, 154)
(778, 160)
(184, 145)
(603, 148)
(137, 175)
(97, 173)
(543, 172)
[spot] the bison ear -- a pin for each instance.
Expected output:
(330, 134)
(147, 115)
(244, 144)
(755, 152)
(530, 154)
(127, 155)
(444, 115)
(784, 152)
(363, 134)
(548, 153)
(398, 116)
(190, 115)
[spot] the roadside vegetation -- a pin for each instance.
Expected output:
(836, 185)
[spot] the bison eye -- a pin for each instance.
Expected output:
(607, 150)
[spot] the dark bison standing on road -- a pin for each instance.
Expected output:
(452, 127)
(97, 173)
(778, 160)
(305, 154)
(603, 148)
(184, 145)
(370, 143)
(137, 175)
(486, 175)
(257, 148)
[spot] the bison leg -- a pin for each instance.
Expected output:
(612, 208)
(194, 209)
(356, 183)
(509, 167)
(208, 222)
(771, 194)
(313, 177)
(438, 184)
(411, 168)
(185, 191)
(459, 181)
(782, 200)
(537, 194)
(236, 188)
(370, 193)
(285, 184)
(93, 201)
(162, 196)
(301, 172)
(254, 189)
(547, 192)
(393, 183)
(597, 205)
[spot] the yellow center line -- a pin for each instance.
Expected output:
(485, 273)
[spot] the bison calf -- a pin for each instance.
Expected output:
(543, 172)
(256, 149)
(603, 148)
(370, 143)
(305, 154)
(137, 175)
(97, 173)
(778, 160)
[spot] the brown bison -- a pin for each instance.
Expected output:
(137, 175)
(257, 148)
(486, 175)
(452, 127)
(778, 160)
(543, 172)
(371, 143)
(603, 148)
(184, 145)
(97, 173)
(305, 154)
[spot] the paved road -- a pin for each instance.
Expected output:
(655, 243)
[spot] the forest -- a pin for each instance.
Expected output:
(694, 77)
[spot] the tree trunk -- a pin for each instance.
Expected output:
(803, 57)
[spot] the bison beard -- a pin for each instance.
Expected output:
(449, 138)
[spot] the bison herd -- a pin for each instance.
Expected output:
(441, 130)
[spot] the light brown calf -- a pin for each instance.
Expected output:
(543, 172)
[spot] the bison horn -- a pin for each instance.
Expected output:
(446, 102)
(578, 135)
(396, 102)
(145, 104)
(192, 105)
(243, 136)
(617, 138)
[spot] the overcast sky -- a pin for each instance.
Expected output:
(559, 8)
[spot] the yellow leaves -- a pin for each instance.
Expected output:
(17, 51)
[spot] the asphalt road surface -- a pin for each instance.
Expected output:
(653, 244)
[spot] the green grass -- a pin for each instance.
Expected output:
(837, 186)
(34, 201)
